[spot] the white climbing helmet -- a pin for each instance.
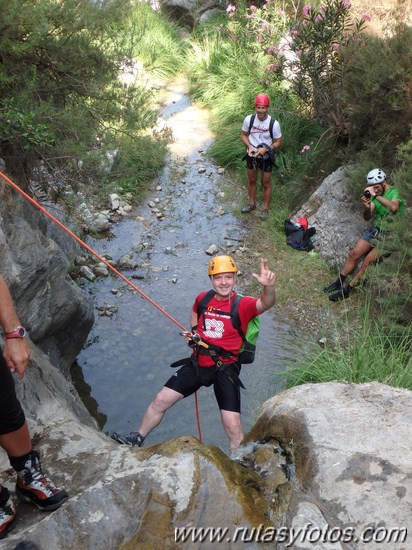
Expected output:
(375, 176)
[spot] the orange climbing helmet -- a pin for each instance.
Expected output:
(262, 99)
(222, 264)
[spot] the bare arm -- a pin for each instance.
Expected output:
(268, 280)
(391, 205)
(193, 319)
(244, 136)
(276, 143)
(16, 351)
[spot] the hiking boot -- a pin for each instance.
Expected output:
(264, 214)
(336, 285)
(341, 294)
(7, 514)
(248, 208)
(134, 439)
(33, 486)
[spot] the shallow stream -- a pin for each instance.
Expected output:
(128, 354)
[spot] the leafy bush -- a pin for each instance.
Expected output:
(375, 95)
(65, 103)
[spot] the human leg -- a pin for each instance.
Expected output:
(17, 443)
(32, 485)
(371, 258)
(155, 412)
(344, 292)
(232, 424)
(251, 190)
(152, 417)
(227, 392)
(267, 190)
(181, 384)
(360, 249)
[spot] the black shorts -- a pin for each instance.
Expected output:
(11, 414)
(224, 380)
(259, 163)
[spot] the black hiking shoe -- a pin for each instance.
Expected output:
(248, 208)
(336, 285)
(134, 439)
(33, 486)
(341, 294)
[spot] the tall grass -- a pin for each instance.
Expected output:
(155, 41)
(372, 353)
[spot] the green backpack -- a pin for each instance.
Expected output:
(248, 349)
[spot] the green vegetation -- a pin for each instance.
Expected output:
(73, 94)
(79, 92)
(345, 95)
(371, 353)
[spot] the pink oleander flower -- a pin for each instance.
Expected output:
(366, 17)
(231, 8)
(252, 8)
(272, 50)
(305, 148)
(318, 18)
(346, 4)
(306, 10)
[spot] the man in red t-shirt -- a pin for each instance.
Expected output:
(214, 329)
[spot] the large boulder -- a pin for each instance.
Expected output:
(321, 458)
(338, 220)
(353, 454)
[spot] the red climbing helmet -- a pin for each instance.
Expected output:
(262, 99)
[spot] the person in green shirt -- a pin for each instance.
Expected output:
(379, 201)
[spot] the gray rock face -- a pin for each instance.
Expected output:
(353, 451)
(338, 222)
(57, 312)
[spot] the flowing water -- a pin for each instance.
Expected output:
(128, 355)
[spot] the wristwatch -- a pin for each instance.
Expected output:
(18, 332)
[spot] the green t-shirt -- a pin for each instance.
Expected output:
(380, 211)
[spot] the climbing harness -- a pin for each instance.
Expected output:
(106, 263)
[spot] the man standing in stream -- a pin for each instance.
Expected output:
(262, 136)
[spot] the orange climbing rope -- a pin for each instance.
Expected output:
(101, 259)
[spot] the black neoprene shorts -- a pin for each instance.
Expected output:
(258, 163)
(186, 382)
(11, 414)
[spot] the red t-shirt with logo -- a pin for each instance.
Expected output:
(217, 328)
